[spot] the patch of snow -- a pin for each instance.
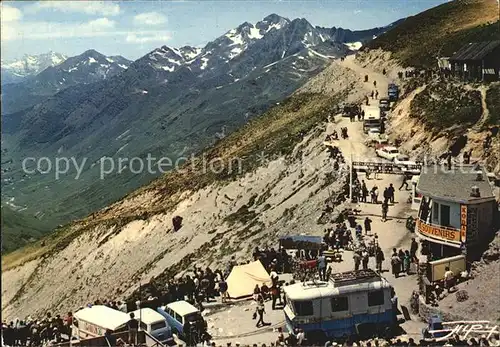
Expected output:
(269, 65)
(301, 57)
(255, 33)
(236, 79)
(191, 55)
(322, 38)
(237, 39)
(92, 60)
(123, 134)
(121, 148)
(123, 66)
(110, 60)
(144, 91)
(168, 68)
(204, 63)
(234, 52)
(276, 26)
(173, 61)
(354, 46)
(320, 55)
(105, 65)
(219, 87)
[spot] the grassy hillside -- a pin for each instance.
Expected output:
(440, 31)
(19, 229)
(493, 102)
(442, 105)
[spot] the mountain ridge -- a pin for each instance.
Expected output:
(16, 70)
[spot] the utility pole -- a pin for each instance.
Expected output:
(350, 177)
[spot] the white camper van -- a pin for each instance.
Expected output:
(94, 321)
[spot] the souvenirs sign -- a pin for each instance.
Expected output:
(436, 232)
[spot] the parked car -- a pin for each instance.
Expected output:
(384, 104)
(387, 152)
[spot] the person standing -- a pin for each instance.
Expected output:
(260, 312)
(223, 289)
(300, 337)
(133, 327)
(385, 210)
(391, 193)
(357, 260)
(405, 183)
(387, 195)
(365, 258)
(379, 258)
(395, 263)
(448, 278)
(368, 225)
(413, 250)
(322, 267)
(406, 262)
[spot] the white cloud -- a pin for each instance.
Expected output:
(150, 18)
(9, 13)
(50, 30)
(145, 37)
(103, 8)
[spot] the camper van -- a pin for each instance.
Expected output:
(178, 313)
(93, 321)
(372, 119)
(349, 304)
(155, 324)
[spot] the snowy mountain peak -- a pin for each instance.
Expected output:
(29, 65)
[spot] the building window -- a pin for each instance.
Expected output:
(435, 211)
(376, 298)
(339, 304)
(445, 215)
(304, 308)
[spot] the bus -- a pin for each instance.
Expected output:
(350, 303)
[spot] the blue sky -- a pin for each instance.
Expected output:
(133, 28)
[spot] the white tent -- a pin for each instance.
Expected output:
(243, 278)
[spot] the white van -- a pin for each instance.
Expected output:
(154, 323)
(94, 321)
(179, 313)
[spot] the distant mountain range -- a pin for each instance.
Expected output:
(170, 102)
(14, 71)
(88, 67)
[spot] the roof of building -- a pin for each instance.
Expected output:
(475, 50)
(453, 185)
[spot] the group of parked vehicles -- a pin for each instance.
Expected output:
(161, 324)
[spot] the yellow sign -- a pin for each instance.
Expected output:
(445, 234)
(463, 221)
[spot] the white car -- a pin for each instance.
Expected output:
(387, 152)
